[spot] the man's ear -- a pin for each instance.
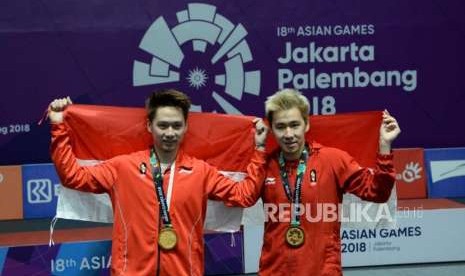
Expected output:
(185, 129)
(307, 127)
(149, 124)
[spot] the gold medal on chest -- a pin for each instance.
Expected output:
(295, 236)
(167, 238)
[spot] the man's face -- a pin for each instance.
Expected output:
(168, 128)
(289, 129)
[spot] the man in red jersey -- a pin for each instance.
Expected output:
(310, 174)
(159, 195)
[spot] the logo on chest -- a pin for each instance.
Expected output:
(185, 171)
(270, 181)
(143, 168)
(313, 177)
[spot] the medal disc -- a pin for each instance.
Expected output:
(295, 236)
(167, 238)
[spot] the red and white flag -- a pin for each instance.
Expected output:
(225, 141)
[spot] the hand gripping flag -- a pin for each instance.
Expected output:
(225, 141)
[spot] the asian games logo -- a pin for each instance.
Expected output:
(205, 53)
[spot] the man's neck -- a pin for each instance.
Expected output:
(293, 156)
(166, 157)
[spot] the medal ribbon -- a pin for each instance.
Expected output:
(158, 182)
(294, 198)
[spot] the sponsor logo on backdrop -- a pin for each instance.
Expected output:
(40, 187)
(41, 190)
(411, 172)
(441, 170)
(411, 180)
(204, 51)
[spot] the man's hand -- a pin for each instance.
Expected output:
(261, 131)
(388, 132)
(56, 109)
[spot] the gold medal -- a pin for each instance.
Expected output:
(295, 236)
(167, 238)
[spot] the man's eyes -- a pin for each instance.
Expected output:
(165, 126)
(291, 125)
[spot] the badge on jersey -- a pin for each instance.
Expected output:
(313, 177)
(143, 168)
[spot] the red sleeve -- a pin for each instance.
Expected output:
(95, 179)
(367, 183)
(244, 193)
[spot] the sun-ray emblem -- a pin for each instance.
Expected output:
(197, 78)
(221, 42)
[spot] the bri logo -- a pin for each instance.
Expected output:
(41, 191)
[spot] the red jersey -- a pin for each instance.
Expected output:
(136, 208)
(329, 174)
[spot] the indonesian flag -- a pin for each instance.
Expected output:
(225, 141)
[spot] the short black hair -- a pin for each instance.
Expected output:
(167, 97)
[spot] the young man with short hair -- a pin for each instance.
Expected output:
(159, 216)
(312, 174)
